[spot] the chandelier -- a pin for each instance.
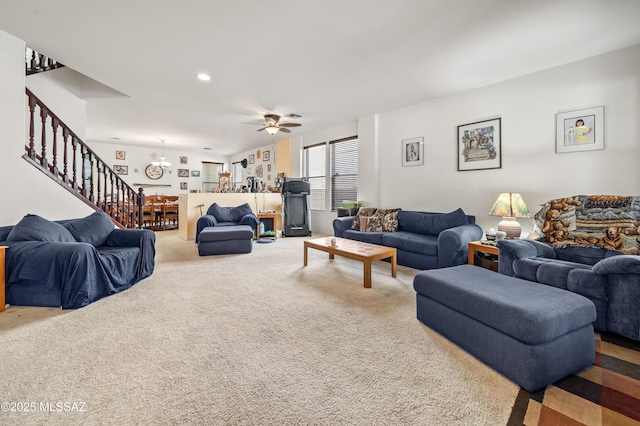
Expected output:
(163, 161)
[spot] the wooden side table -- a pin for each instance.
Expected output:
(2, 282)
(475, 246)
(269, 220)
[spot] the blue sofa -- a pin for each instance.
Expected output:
(609, 278)
(72, 263)
(424, 240)
(227, 216)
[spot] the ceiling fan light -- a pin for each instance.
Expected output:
(272, 130)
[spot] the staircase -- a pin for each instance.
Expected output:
(59, 153)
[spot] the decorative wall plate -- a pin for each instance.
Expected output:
(153, 172)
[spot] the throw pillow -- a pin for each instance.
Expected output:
(362, 211)
(364, 220)
(93, 229)
(36, 228)
(384, 220)
(238, 212)
(222, 214)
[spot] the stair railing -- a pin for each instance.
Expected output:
(59, 153)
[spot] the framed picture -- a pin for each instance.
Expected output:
(251, 159)
(195, 173)
(580, 130)
(479, 145)
(120, 169)
(268, 167)
(120, 155)
(183, 172)
(183, 185)
(248, 170)
(265, 155)
(413, 152)
(183, 159)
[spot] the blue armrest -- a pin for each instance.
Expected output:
(453, 244)
(130, 238)
(251, 220)
(623, 264)
(341, 224)
(203, 222)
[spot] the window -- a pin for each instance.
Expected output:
(314, 170)
(210, 175)
(344, 171)
(236, 174)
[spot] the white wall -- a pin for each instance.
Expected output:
(530, 166)
(24, 189)
(138, 158)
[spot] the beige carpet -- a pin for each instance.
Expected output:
(248, 339)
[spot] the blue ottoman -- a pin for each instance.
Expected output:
(531, 333)
(225, 240)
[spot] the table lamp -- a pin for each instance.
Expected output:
(510, 205)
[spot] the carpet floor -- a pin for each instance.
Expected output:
(247, 339)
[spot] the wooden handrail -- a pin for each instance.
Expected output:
(99, 186)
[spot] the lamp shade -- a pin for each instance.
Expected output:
(272, 130)
(510, 205)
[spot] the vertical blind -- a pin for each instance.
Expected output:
(314, 170)
(236, 174)
(344, 171)
(210, 175)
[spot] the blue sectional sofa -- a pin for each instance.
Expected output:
(72, 263)
(610, 279)
(424, 240)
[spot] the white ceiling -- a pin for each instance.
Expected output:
(331, 61)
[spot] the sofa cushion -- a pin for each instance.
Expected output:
(365, 237)
(415, 243)
(363, 211)
(384, 220)
(93, 229)
(36, 228)
(430, 223)
(552, 272)
(229, 214)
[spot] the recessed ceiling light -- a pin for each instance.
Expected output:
(204, 77)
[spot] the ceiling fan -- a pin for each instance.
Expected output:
(272, 124)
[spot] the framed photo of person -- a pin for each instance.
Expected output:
(413, 152)
(580, 130)
(479, 145)
(120, 155)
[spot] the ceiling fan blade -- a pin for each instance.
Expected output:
(255, 124)
(272, 119)
(290, 125)
(282, 129)
(259, 130)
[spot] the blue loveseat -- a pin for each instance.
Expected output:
(424, 240)
(227, 216)
(609, 278)
(72, 263)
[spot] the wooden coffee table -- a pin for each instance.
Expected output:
(364, 252)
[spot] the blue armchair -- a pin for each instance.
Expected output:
(227, 216)
(610, 279)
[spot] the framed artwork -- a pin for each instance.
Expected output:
(479, 145)
(265, 155)
(120, 169)
(580, 130)
(251, 159)
(153, 172)
(248, 170)
(183, 185)
(120, 155)
(183, 160)
(183, 172)
(268, 167)
(413, 152)
(195, 173)
(258, 154)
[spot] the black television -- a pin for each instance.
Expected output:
(295, 186)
